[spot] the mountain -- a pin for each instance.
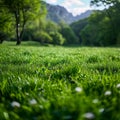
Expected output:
(58, 13)
(83, 15)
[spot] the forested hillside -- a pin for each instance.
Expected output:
(102, 27)
(47, 24)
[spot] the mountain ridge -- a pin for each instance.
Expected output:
(57, 13)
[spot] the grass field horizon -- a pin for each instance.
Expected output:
(59, 83)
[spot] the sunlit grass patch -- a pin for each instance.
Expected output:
(108, 68)
(64, 83)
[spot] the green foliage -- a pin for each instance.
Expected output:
(105, 2)
(110, 30)
(57, 38)
(51, 27)
(88, 36)
(78, 26)
(2, 37)
(22, 11)
(49, 83)
(118, 39)
(69, 35)
(99, 31)
(47, 32)
(28, 35)
(101, 28)
(43, 37)
(5, 25)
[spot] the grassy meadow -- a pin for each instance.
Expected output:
(59, 83)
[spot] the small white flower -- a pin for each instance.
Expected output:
(15, 104)
(108, 93)
(101, 110)
(118, 85)
(41, 107)
(33, 102)
(78, 89)
(27, 94)
(89, 115)
(95, 101)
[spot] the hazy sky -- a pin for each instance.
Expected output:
(73, 6)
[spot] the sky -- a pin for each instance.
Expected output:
(76, 7)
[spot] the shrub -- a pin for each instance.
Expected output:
(69, 35)
(57, 38)
(43, 37)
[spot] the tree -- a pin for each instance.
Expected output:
(51, 27)
(22, 11)
(106, 3)
(112, 8)
(58, 39)
(99, 31)
(5, 24)
(68, 34)
(42, 37)
(78, 26)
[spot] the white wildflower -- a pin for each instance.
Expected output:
(108, 93)
(41, 107)
(27, 94)
(33, 102)
(95, 101)
(118, 85)
(78, 89)
(89, 115)
(101, 110)
(15, 104)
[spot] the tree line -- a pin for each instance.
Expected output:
(22, 20)
(26, 20)
(102, 27)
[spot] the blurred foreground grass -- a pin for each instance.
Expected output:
(59, 83)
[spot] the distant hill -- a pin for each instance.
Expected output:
(58, 13)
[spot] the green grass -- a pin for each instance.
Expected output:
(59, 83)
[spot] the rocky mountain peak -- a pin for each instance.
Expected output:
(58, 13)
